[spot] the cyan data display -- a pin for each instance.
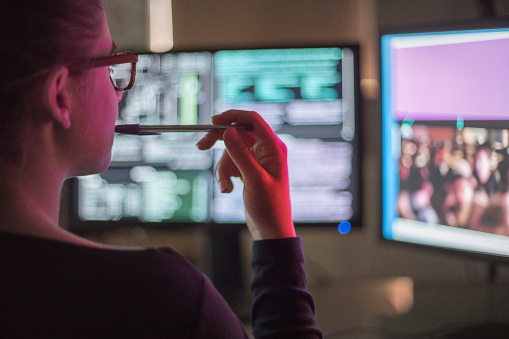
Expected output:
(279, 75)
(290, 87)
(307, 95)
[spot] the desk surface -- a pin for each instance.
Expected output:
(396, 307)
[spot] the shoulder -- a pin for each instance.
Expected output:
(154, 290)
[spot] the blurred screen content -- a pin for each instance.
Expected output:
(457, 178)
(307, 95)
(445, 138)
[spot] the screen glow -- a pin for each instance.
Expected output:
(307, 95)
(445, 113)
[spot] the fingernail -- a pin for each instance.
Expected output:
(225, 186)
(222, 186)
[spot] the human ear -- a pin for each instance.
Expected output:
(57, 97)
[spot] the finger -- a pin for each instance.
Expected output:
(209, 140)
(240, 154)
(226, 169)
(261, 130)
(248, 138)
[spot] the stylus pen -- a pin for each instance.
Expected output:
(137, 129)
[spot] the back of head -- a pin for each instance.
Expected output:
(36, 36)
(41, 34)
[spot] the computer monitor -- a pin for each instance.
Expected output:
(308, 95)
(445, 138)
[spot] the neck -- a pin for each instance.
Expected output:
(32, 179)
(29, 201)
(31, 188)
(34, 211)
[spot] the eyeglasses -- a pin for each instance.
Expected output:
(122, 68)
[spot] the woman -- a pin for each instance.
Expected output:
(59, 106)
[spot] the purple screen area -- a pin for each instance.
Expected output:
(468, 81)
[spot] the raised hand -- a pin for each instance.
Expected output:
(259, 158)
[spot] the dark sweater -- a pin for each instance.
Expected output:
(61, 290)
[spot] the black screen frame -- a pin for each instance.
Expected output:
(461, 25)
(77, 225)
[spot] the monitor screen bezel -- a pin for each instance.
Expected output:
(77, 225)
(436, 27)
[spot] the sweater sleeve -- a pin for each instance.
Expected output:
(282, 306)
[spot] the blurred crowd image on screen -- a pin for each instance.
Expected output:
(455, 177)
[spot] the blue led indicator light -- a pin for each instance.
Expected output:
(344, 227)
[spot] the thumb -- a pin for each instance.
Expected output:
(240, 154)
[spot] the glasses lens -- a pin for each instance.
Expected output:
(120, 75)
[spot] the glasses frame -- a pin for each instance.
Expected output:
(110, 60)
